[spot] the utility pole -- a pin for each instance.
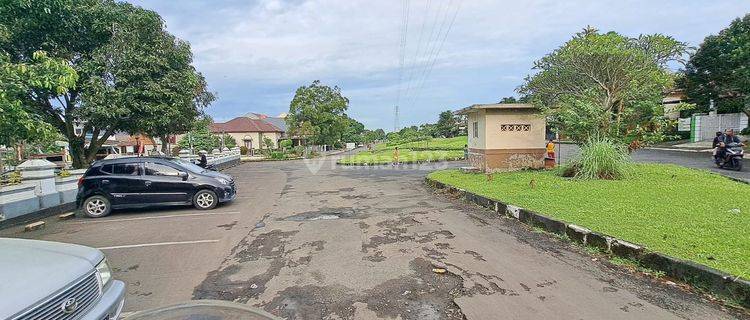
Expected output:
(396, 125)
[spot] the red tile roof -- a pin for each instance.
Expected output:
(124, 139)
(244, 124)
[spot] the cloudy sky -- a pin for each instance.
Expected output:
(254, 54)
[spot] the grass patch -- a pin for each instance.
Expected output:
(455, 143)
(405, 156)
(689, 214)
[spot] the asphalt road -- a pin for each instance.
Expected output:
(310, 240)
(698, 160)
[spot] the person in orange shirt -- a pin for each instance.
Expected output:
(395, 155)
(550, 149)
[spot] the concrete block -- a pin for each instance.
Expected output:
(67, 216)
(626, 249)
(548, 224)
(19, 205)
(501, 208)
(599, 240)
(49, 200)
(526, 216)
(67, 196)
(34, 226)
(576, 233)
(513, 211)
(484, 202)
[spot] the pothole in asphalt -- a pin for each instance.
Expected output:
(324, 214)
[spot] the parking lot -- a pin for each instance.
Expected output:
(162, 254)
(311, 240)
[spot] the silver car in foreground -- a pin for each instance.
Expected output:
(51, 280)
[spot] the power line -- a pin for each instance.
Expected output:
(402, 47)
(433, 44)
(437, 53)
(419, 48)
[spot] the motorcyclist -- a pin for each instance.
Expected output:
(725, 140)
(715, 144)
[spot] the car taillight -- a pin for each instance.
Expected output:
(80, 181)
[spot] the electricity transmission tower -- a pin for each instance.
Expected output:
(396, 125)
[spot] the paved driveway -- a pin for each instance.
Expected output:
(698, 160)
(309, 240)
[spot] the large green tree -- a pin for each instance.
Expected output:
(17, 122)
(447, 125)
(606, 85)
(317, 112)
(132, 73)
(720, 70)
(354, 131)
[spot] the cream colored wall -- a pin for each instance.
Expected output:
(257, 138)
(496, 139)
(478, 142)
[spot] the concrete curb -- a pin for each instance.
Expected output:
(38, 215)
(699, 275)
(678, 149)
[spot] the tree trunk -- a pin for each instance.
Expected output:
(165, 145)
(78, 152)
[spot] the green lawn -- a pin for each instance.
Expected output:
(690, 214)
(405, 155)
(456, 143)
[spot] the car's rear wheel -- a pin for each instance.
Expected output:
(205, 200)
(96, 206)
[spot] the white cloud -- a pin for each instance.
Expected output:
(257, 52)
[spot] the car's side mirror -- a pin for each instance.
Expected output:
(183, 175)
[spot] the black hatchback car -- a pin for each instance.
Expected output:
(138, 182)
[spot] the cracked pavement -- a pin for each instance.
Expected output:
(362, 243)
(312, 240)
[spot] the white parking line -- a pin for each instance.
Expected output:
(159, 217)
(157, 244)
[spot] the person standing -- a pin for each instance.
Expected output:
(550, 149)
(139, 146)
(395, 156)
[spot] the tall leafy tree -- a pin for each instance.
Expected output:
(132, 73)
(447, 125)
(606, 84)
(354, 131)
(318, 111)
(720, 70)
(17, 122)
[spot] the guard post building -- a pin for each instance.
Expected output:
(507, 136)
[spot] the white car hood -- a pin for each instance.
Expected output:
(31, 271)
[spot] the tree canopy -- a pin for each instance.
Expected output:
(605, 84)
(133, 76)
(447, 125)
(317, 112)
(17, 122)
(720, 70)
(354, 131)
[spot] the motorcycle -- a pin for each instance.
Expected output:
(732, 160)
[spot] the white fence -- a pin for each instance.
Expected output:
(704, 127)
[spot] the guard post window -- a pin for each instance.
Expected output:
(475, 129)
